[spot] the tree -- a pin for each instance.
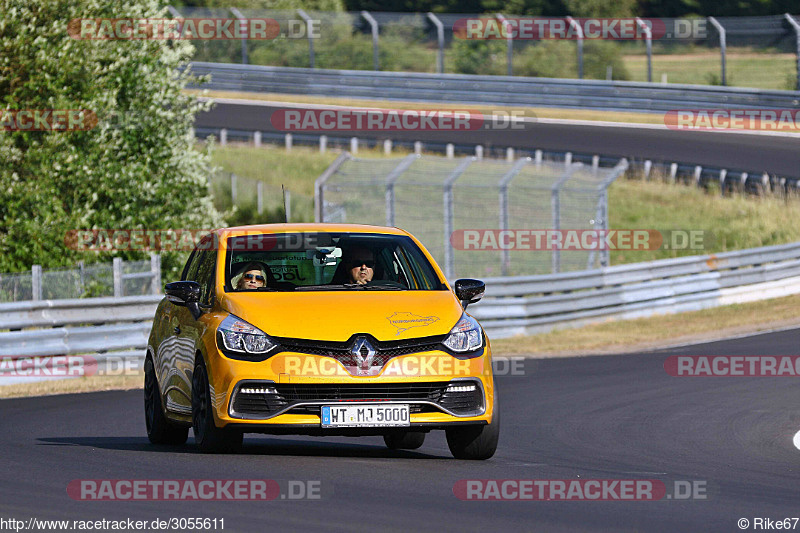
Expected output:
(136, 168)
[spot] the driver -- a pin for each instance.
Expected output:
(251, 276)
(360, 264)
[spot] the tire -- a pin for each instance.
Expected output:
(475, 442)
(159, 429)
(407, 440)
(207, 435)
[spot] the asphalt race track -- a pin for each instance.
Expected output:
(612, 417)
(778, 155)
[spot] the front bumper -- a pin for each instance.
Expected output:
(279, 399)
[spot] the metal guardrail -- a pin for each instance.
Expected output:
(531, 304)
(514, 305)
(489, 90)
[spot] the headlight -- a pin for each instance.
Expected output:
(241, 337)
(465, 336)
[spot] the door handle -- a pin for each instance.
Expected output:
(177, 330)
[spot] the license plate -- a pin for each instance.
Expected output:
(365, 415)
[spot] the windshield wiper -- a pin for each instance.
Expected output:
(327, 287)
(383, 288)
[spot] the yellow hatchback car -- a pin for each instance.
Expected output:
(319, 329)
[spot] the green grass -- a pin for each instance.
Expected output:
(744, 68)
(729, 223)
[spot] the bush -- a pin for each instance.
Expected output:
(137, 168)
(478, 57)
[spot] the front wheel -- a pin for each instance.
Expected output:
(475, 442)
(159, 429)
(207, 435)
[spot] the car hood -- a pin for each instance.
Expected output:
(337, 316)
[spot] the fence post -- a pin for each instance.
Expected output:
(223, 137)
(417, 147)
(722, 175)
(117, 272)
(81, 277)
(387, 147)
(257, 139)
(36, 282)
(796, 28)
(319, 184)
(309, 27)
(721, 32)
(505, 256)
(509, 44)
(579, 32)
(391, 178)
(155, 271)
(233, 189)
(289, 141)
(698, 170)
(354, 145)
(440, 38)
(449, 151)
(555, 208)
(447, 198)
(243, 28)
(374, 27)
(648, 35)
(323, 143)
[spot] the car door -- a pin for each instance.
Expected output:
(188, 331)
(176, 389)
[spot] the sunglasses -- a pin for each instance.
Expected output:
(358, 262)
(249, 277)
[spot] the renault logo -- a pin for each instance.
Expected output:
(364, 352)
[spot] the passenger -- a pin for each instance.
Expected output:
(253, 276)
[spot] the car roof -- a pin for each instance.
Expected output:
(307, 227)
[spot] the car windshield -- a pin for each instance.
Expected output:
(322, 261)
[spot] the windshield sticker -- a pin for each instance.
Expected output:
(404, 320)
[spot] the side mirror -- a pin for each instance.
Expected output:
(469, 291)
(185, 294)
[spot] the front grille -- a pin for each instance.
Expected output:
(368, 391)
(265, 404)
(341, 351)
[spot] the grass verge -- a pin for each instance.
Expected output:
(662, 330)
(538, 112)
(73, 385)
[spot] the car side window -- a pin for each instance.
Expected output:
(190, 272)
(205, 276)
